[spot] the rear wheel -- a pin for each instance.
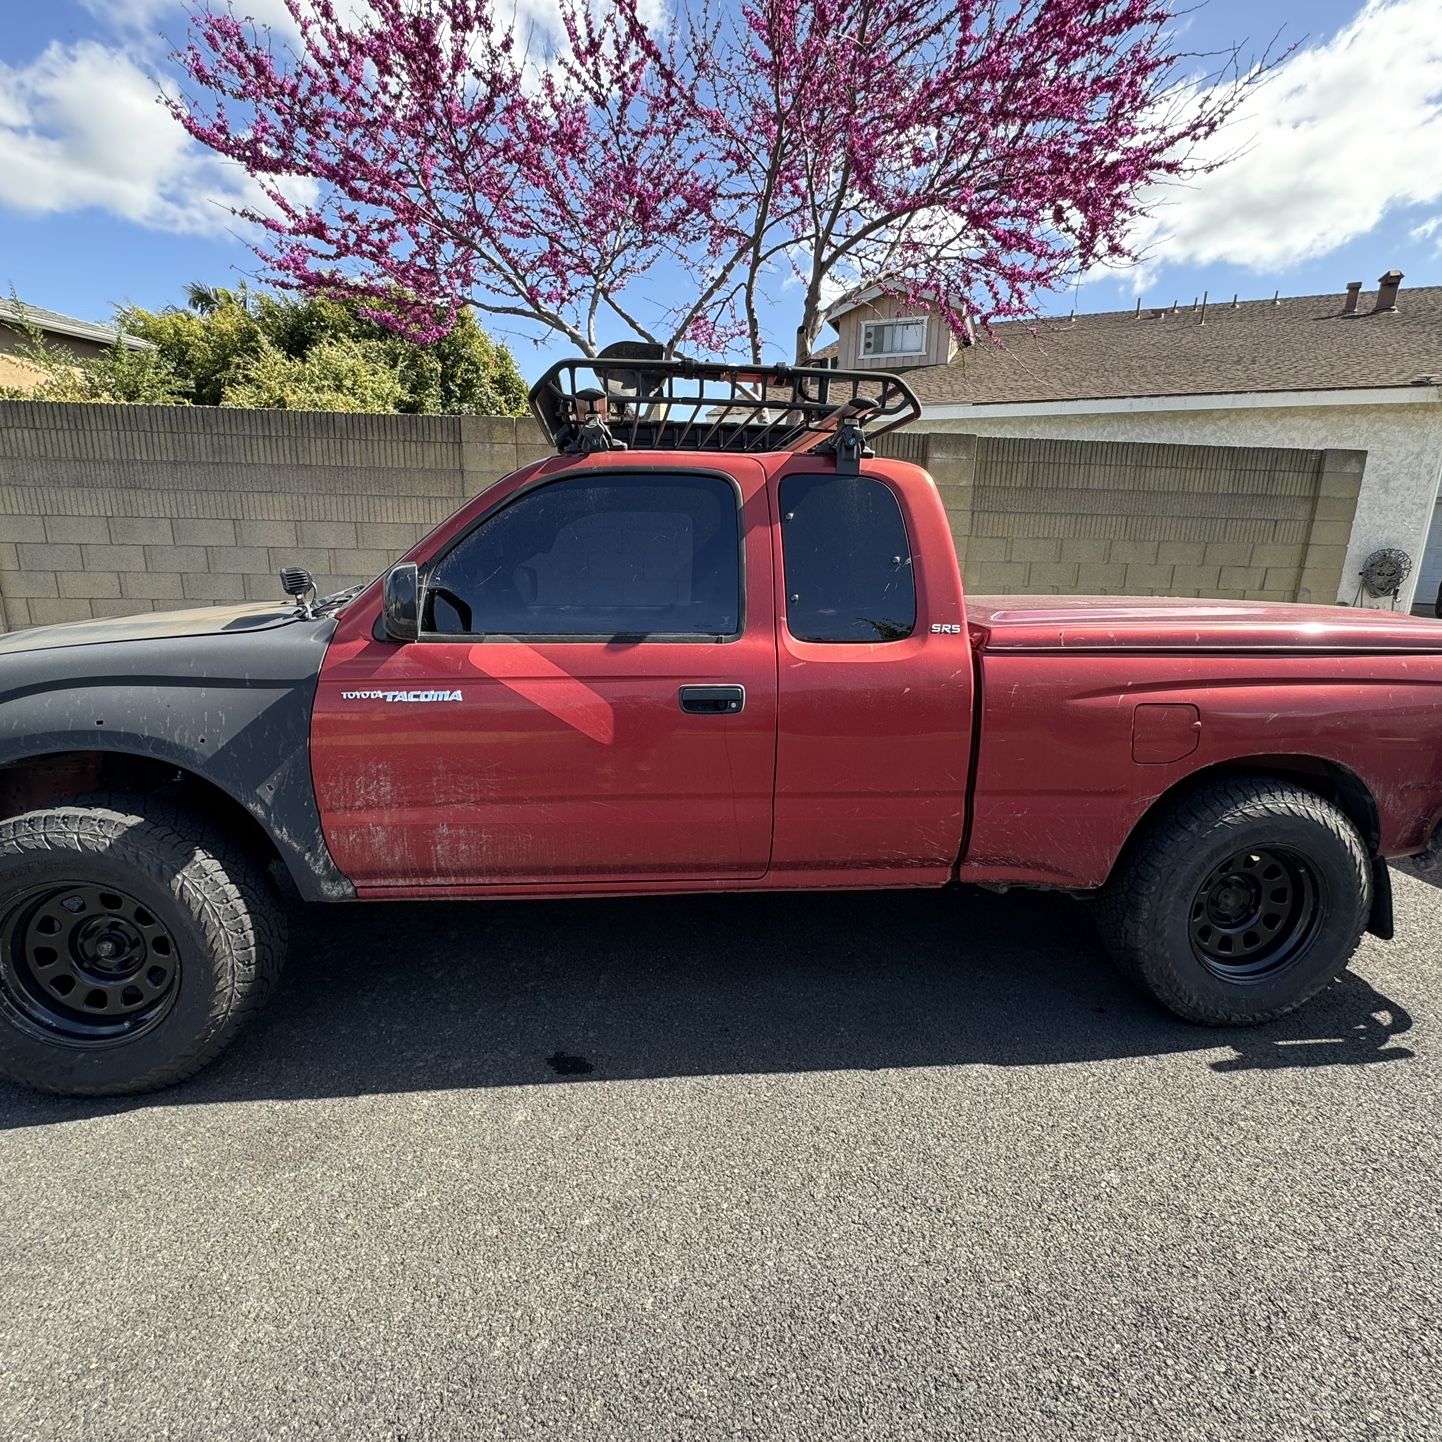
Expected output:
(1240, 901)
(135, 941)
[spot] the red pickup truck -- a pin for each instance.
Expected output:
(712, 644)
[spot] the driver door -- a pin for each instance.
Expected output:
(592, 698)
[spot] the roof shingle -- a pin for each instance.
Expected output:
(1297, 343)
(56, 323)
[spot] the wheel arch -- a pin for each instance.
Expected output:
(51, 777)
(1322, 776)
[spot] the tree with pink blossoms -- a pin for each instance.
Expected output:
(761, 157)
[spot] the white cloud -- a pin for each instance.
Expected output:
(81, 127)
(1344, 132)
(151, 18)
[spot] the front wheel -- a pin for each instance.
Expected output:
(135, 940)
(1239, 902)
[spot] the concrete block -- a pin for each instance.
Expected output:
(327, 533)
(127, 607)
(315, 559)
(1100, 578)
(207, 532)
(115, 558)
(202, 587)
(22, 528)
(1280, 578)
(1036, 550)
(1339, 484)
(1242, 578)
(987, 548)
(389, 536)
(173, 558)
(1061, 575)
(1001, 576)
(1084, 548)
(1335, 508)
(49, 613)
(1228, 553)
(77, 528)
(88, 584)
(1275, 555)
(361, 563)
(41, 557)
(1181, 553)
(141, 531)
(1143, 580)
(1330, 533)
(17, 613)
(1131, 553)
(151, 585)
(238, 558)
(9, 556)
(267, 587)
(24, 584)
(266, 533)
(1196, 580)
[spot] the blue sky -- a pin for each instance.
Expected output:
(103, 201)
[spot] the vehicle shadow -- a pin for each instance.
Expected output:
(409, 997)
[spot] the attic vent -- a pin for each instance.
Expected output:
(1387, 287)
(1349, 306)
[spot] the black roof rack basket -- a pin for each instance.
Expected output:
(630, 398)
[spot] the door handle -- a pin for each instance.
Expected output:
(712, 700)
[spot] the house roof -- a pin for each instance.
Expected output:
(54, 323)
(1299, 343)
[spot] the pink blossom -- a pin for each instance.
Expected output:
(966, 156)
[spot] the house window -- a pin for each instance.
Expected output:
(894, 337)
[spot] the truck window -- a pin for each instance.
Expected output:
(598, 557)
(846, 559)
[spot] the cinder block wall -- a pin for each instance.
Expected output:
(1118, 518)
(107, 510)
(112, 509)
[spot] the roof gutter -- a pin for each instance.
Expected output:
(1233, 401)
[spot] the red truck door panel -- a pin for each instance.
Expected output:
(875, 678)
(593, 698)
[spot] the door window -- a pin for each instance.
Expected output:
(847, 560)
(599, 557)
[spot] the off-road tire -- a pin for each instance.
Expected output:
(1147, 910)
(211, 894)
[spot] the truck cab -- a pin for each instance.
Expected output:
(629, 673)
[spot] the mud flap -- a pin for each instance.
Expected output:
(1379, 923)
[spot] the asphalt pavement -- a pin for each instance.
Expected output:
(907, 1166)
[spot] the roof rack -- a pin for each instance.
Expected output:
(641, 400)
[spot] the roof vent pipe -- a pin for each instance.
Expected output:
(1349, 305)
(1387, 288)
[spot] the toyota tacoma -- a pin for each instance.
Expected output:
(712, 644)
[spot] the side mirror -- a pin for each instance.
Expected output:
(401, 607)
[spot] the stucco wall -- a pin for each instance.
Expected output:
(1403, 445)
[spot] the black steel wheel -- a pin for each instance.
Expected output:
(136, 939)
(1239, 900)
(86, 964)
(1255, 913)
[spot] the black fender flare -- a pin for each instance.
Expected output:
(232, 708)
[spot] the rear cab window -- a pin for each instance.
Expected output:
(846, 561)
